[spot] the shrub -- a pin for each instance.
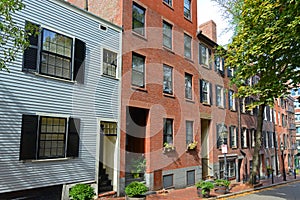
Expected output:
(82, 192)
(204, 185)
(222, 182)
(135, 189)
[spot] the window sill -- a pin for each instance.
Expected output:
(206, 104)
(54, 78)
(168, 50)
(205, 66)
(188, 19)
(47, 160)
(220, 107)
(189, 59)
(169, 95)
(110, 77)
(139, 88)
(190, 101)
(169, 6)
(232, 110)
(143, 37)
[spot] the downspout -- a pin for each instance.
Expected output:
(86, 5)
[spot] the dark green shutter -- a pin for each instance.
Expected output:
(73, 138)
(224, 97)
(210, 94)
(231, 136)
(201, 91)
(237, 137)
(79, 61)
(28, 137)
(31, 53)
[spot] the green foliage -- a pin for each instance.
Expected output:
(10, 33)
(138, 165)
(135, 189)
(222, 182)
(82, 192)
(204, 185)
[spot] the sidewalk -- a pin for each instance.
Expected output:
(190, 193)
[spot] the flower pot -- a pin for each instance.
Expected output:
(203, 193)
(220, 189)
(140, 197)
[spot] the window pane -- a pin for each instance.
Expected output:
(52, 137)
(187, 9)
(56, 55)
(169, 2)
(188, 86)
(189, 132)
(138, 63)
(109, 63)
(138, 19)
(190, 177)
(108, 127)
(168, 85)
(168, 131)
(187, 46)
(167, 35)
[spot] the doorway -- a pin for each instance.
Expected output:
(205, 148)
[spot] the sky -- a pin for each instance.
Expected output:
(208, 10)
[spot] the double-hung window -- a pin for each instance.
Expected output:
(168, 79)
(231, 100)
(44, 137)
(168, 131)
(187, 46)
(187, 9)
(167, 35)
(220, 97)
(138, 19)
(205, 92)
(138, 70)
(109, 63)
(233, 137)
(188, 86)
(189, 132)
(204, 56)
(219, 65)
(222, 137)
(51, 53)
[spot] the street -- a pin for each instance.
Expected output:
(290, 191)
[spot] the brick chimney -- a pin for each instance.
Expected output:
(209, 29)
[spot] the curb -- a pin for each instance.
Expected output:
(255, 189)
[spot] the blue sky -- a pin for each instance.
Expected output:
(208, 10)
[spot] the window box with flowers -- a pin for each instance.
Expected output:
(168, 147)
(192, 145)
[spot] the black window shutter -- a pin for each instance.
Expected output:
(28, 137)
(209, 61)
(216, 88)
(31, 53)
(201, 91)
(210, 94)
(73, 138)
(242, 138)
(218, 136)
(231, 135)
(79, 61)
(215, 63)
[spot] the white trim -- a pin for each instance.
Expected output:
(42, 114)
(118, 71)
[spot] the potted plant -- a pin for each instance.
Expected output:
(168, 147)
(135, 191)
(221, 186)
(192, 145)
(138, 167)
(82, 192)
(203, 188)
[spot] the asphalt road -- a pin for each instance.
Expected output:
(289, 191)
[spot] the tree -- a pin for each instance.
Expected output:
(266, 45)
(12, 38)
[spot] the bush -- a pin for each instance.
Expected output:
(82, 192)
(222, 182)
(204, 185)
(135, 189)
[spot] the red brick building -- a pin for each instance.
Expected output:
(175, 95)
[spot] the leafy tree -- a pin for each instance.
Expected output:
(12, 38)
(266, 45)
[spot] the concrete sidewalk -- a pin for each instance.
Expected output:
(190, 193)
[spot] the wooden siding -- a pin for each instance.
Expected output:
(28, 93)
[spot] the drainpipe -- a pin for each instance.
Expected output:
(238, 178)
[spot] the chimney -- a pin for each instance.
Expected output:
(209, 29)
